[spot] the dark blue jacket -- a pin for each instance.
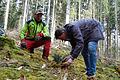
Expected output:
(81, 32)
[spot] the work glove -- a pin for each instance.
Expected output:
(38, 38)
(29, 38)
(67, 61)
(40, 34)
(23, 45)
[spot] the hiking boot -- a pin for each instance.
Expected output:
(45, 58)
(91, 77)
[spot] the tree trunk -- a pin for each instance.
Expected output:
(53, 22)
(116, 31)
(48, 13)
(6, 15)
(92, 9)
(67, 11)
(107, 44)
(25, 11)
(79, 9)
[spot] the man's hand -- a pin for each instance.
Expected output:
(29, 38)
(67, 61)
(23, 45)
(38, 38)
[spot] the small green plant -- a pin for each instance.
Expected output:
(57, 58)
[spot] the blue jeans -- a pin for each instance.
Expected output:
(90, 57)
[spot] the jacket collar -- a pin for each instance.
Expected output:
(37, 22)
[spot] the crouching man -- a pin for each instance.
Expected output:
(35, 34)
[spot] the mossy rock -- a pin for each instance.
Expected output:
(5, 41)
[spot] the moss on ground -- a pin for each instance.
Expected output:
(16, 63)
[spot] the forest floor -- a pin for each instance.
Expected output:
(17, 64)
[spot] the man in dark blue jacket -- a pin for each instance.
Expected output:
(83, 36)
